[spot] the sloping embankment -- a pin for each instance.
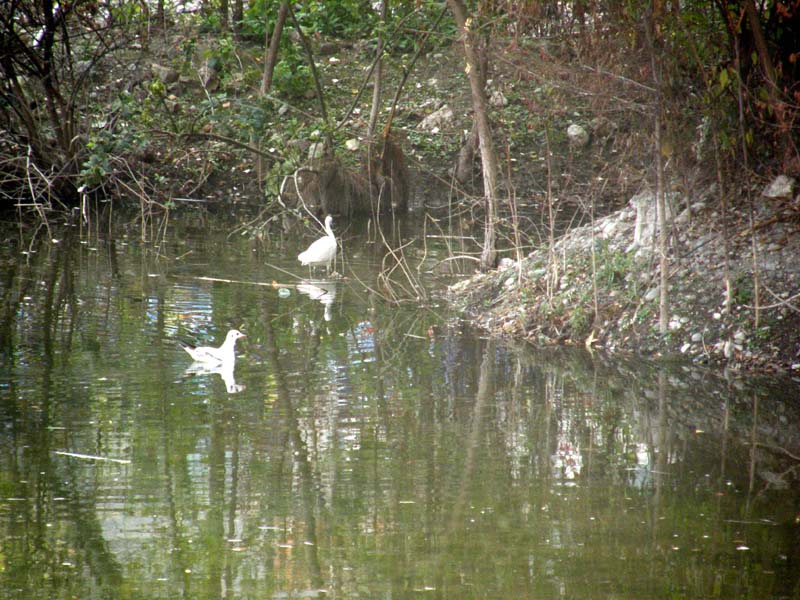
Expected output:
(599, 286)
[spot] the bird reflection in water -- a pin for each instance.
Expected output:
(224, 370)
(321, 291)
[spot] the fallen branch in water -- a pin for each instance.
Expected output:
(272, 284)
(120, 461)
(222, 280)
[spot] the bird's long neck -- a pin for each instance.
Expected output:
(329, 229)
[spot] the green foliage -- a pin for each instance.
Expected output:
(579, 319)
(292, 79)
(347, 19)
(97, 166)
(105, 145)
(150, 112)
(188, 47)
(613, 267)
(417, 18)
(645, 313)
(127, 13)
(210, 21)
(438, 144)
(221, 56)
(743, 289)
(260, 15)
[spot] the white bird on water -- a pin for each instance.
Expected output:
(209, 354)
(322, 251)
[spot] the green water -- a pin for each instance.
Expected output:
(360, 448)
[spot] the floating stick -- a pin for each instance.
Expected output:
(93, 457)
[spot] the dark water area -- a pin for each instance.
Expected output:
(358, 448)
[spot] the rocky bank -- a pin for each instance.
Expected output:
(598, 285)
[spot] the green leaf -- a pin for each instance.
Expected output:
(724, 79)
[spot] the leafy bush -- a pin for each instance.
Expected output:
(293, 80)
(347, 19)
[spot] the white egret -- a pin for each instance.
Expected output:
(209, 354)
(322, 251)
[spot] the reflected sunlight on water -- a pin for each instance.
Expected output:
(359, 447)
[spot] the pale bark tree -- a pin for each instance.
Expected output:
(655, 35)
(377, 78)
(479, 106)
(663, 297)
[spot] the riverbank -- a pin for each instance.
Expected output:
(609, 298)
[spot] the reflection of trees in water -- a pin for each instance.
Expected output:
(566, 410)
(382, 438)
(40, 303)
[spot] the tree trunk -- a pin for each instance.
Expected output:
(786, 150)
(466, 155)
(663, 299)
(161, 16)
(655, 35)
(238, 16)
(271, 44)
(751, 209)
(223, 15)
(312, 65)
(377, 77)
(488, 156)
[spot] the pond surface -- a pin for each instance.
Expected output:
(360, 448)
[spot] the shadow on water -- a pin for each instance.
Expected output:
(359, 447)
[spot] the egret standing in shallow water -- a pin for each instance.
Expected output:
(208, 354)
(322, 251)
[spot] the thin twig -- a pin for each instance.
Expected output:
(781, 302)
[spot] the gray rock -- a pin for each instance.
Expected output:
(781, 187)
(506, 262)
(498, 99)
(646, 226)
(82, 67)
(577, 135)
(316, 150)
(651, 294)
(437, 119)
(208, 77)
(301, 145)
(166, 75)
(328, 48)
(727, 349)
